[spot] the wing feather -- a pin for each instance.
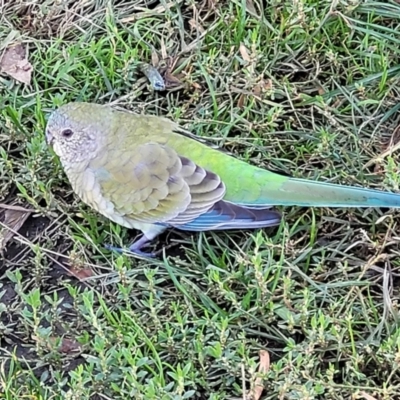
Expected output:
(156, 185)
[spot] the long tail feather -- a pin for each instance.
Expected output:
(301, 192)
(225, 215)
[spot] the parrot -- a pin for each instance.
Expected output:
(148, 173)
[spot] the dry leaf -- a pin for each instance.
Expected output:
(320, 89)
(257, 89)
(172, 62)
(154, 59)
(256, 393)
(196, 85)
(367, 396)
(66, 345)
(241, 100)
(171, 81)
(14, 218)
(14, 63)
(250, 7)
(267, 84)
(69, 346)
(244, 53)
(261, 87)
(164, 53)
(195, 25)
(15, 208)
(81, 272)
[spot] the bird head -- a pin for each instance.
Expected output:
(73, 131)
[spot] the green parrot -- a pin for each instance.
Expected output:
(147, 173)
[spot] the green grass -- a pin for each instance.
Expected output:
(319, 99)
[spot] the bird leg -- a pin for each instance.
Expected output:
(135, 248)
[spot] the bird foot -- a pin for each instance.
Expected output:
(134, 248)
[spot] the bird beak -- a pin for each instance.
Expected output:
(49, 138)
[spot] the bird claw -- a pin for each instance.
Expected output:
(128, 250)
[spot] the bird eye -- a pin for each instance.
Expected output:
(67, 133)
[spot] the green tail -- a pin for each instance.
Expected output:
(249, 185)
(302, 192)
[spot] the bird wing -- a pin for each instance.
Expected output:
(151, 183)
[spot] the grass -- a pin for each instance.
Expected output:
(308, 88)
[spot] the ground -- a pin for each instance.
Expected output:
(308, 88)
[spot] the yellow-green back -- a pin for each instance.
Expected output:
(244, 182)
